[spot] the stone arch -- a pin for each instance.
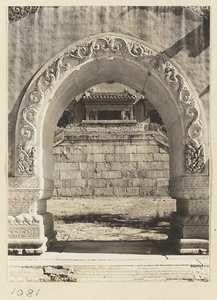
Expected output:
(97, 59)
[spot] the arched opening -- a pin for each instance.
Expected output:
(106, 58)
(111, 174)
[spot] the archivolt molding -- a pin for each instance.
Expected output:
(112, 46)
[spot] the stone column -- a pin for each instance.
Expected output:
(87, 113)
(189, 226)
(30, 226)
(131, 112)
(122, 115)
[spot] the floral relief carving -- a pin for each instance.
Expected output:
(195, 159)
(112, 46)
(26, 161)
(201, 11)
(191, 117)
(16, 13)
(27, 127)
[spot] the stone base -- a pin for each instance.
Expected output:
(20, 247)
(190, 226)
(190, 246)
(51, 239)
(190, 232)
(30, 233)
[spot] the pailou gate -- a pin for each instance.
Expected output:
(94, 60)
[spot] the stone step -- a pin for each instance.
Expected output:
(134, 273)
(115, 273)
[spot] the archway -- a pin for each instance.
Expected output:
(97, 59)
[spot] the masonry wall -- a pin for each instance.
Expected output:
(133, 166)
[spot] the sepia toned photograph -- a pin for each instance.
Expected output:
(108, 144)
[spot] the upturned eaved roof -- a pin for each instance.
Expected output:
(125, 96)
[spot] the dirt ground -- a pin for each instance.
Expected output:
(109, 219)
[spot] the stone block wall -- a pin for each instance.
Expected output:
(131, 166)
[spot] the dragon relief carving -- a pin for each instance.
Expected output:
(93, 48)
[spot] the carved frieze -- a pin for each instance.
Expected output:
(184, 182)
(190, 232)
(193, 206)
(24, 232)
(197, 232)
(189, 219)
(16, 207)
(189, 187)
(190, 193)
(19, 184)
(25, 194)
(112, 46)
(24, 219)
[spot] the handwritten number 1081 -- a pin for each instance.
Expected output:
(29, 292)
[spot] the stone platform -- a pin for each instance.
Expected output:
(103, 261)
